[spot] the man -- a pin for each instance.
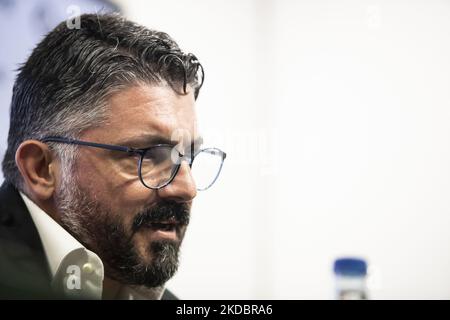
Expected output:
(99, 171)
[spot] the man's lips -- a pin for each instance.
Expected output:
(168, 230)
(166, 225)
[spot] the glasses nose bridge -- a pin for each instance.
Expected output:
(188, 157)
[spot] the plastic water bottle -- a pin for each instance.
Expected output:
(350, 275)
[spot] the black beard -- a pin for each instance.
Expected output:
(122, 262)
(121, 258)
(104, 233)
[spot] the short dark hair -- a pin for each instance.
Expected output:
(63, 86)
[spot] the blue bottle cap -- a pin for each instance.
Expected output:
(350, 267)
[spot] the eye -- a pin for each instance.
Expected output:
(157, 155)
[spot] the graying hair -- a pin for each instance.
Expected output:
(64, 86)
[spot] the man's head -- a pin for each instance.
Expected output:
(111, 82)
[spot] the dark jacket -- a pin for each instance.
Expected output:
(24, 272)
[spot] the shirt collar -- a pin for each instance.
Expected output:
(63, 250)
(57, 242)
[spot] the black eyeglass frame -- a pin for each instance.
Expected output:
(142, 153)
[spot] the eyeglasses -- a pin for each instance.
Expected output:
(158, 165)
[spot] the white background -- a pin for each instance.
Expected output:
(335, 116)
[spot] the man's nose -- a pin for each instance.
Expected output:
(182, 188)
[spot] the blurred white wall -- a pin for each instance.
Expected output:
(365, 101)
(345, 106)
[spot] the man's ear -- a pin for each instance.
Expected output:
(37, 167)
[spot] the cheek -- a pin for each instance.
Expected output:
(125, 196)
(129, 198)
(122, 194)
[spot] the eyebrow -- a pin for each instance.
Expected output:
(148, 140)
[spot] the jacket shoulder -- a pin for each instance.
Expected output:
(23, 266)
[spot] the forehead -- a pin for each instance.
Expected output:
(144, 110)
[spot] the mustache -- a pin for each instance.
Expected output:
(178, 212)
